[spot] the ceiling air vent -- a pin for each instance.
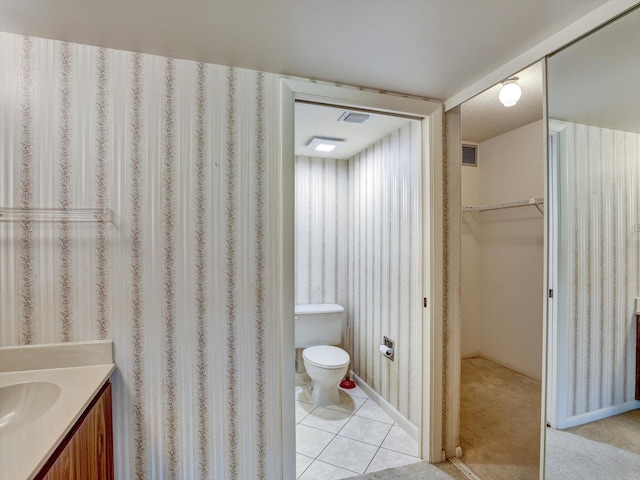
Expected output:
(353, 117)
(470, 155)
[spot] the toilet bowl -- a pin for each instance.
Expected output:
(326, 365)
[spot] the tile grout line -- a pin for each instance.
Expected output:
(377, 450)
(378, 447)
(334, 436)
(337, 434)
(307, 467)
(337, 466)
(351, 415)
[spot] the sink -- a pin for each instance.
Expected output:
(22, 403)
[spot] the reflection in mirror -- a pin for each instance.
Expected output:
(502, 263)
(593, 413)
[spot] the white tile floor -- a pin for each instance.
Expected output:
(354, 437)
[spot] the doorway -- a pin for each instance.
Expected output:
(357, 245)
(429, 116)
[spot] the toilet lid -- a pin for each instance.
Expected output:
(326, 356)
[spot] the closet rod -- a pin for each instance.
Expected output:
(56, 214)
(533, 202)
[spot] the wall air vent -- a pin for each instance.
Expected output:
(353, 117)
(470, 155)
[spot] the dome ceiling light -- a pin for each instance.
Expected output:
(510, 92)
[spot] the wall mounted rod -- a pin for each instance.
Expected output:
(8, 214)
(529, 202)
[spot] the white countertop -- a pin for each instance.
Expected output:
(24, 451)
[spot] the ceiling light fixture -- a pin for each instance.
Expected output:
(321, 144)
(510, 92)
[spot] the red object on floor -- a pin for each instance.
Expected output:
(347, 383)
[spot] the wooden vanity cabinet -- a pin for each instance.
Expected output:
(86, 453)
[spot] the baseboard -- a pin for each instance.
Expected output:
(389, 409)
(599, 414)
(470, 355)
(493, 359)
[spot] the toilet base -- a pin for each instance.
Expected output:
(302, 378)
(322, 395)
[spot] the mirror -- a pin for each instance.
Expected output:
(593, 412)
(502, 281)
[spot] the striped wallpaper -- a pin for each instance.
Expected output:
(183, 279)
(451, 280)
(384, 266)
(321, 231)
(599, 266)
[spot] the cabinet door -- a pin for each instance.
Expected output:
(87, 453)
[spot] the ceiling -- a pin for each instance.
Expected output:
(428, 48)
(322, 121)
(484, 117)
(595, 81)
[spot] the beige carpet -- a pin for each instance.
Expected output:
(499, 428)
(604, 449)
(620, 431)
(572, 457)
(499, 421)
(416, 471)
(499, 434)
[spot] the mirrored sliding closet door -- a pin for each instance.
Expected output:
(593, 407)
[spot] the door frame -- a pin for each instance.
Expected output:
(555, 393)
(430, 114)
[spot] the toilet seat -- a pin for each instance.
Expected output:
(326, 356)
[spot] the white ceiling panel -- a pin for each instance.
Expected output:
(595, 81)
(429, 48)
(322, 121)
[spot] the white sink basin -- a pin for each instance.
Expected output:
(21, 403)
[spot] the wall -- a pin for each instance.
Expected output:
(384, 266)
(508, 297)
(470, 278)
(321, 231)
(184, 279)
(599, 272)
(452, 253)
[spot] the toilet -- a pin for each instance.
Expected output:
(318, 330)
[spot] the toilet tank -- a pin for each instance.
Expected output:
(318, 324)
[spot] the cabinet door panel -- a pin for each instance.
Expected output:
(87, 453)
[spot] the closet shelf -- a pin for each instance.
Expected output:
(81, 215)
(529, 202)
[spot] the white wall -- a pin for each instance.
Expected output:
(503, 281)
(470, 280)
